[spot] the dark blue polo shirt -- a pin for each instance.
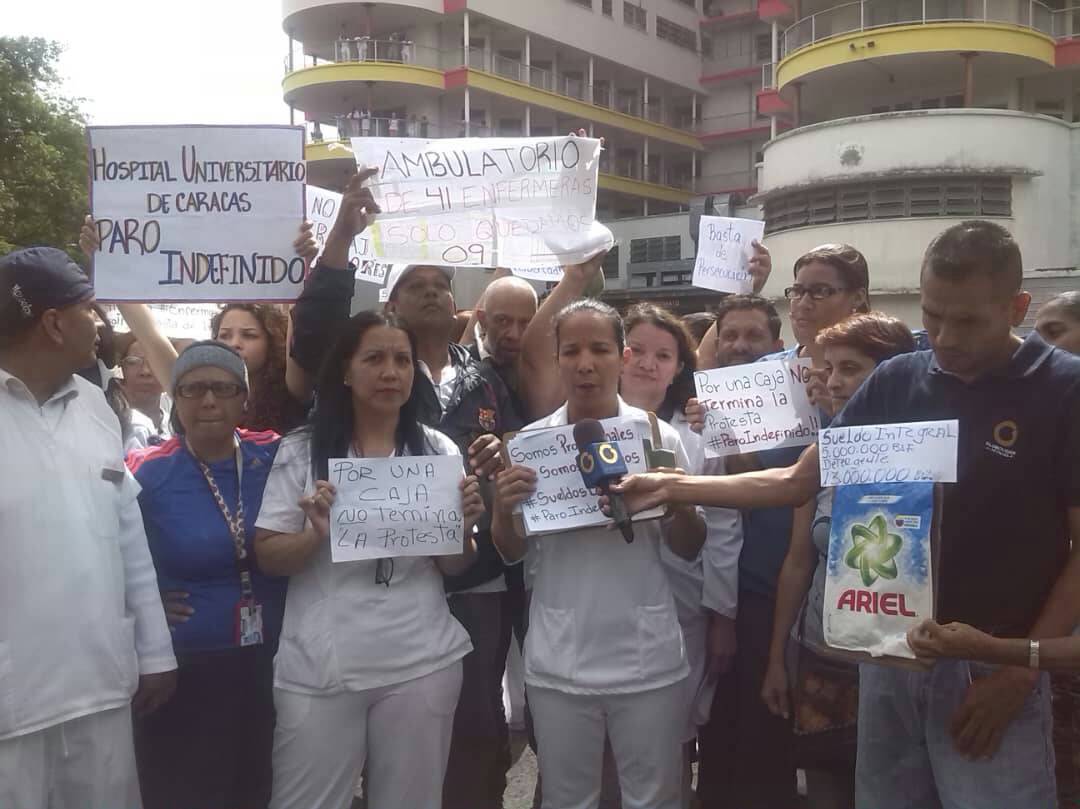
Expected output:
(1004, 531)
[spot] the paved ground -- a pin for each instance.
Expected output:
(521, 780)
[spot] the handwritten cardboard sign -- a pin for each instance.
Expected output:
(725, 247)
(889, 453)
(322, 210)
(561, 501)
(197, 213)
(553, 273)
(484, 202)
(761, 405)
(178, 321)
(409, 506)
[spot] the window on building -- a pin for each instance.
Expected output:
(583, 3)
(763, 47)
(857, 202)
(706, 47)
(611, 263)
(955, 102)
(605, 7)
(657, 248)
(635, 16)
(676, 34)
(690, 3)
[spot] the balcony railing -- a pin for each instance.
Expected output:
(732, 122)
(359, 125)
(865, 15)
(726, 181)
(600, 94)
(768, 76)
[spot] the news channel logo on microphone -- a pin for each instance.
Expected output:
(600, 463)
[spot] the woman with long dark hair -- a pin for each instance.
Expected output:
(258, 332)
(369, 666)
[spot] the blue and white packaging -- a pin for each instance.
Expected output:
(879, 577)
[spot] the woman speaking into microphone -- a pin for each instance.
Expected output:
(604, 652)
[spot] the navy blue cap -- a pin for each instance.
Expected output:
(35, 279)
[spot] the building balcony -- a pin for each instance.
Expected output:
(360, 67)
(734, 127)
(871, 180)
(717, 18)
(1019, 33)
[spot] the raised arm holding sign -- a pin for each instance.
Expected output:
(484, 202)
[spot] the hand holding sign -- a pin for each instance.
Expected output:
(401, 506)
(726, 248)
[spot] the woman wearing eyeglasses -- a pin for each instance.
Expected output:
(369, 667)
(751, 751)
(149, 420)
(210, 745)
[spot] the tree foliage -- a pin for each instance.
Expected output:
(42, 149)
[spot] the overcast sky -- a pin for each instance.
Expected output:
(156, 62)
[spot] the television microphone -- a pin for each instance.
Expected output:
(601, 463)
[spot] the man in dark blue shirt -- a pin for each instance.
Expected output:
(962, 734)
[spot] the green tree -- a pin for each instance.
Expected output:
(42, 150)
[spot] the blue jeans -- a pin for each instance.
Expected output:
(906, 757)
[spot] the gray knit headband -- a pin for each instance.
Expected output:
(209, 353)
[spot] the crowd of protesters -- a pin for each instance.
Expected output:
(175, 635)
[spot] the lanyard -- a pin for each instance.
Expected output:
(235, 522)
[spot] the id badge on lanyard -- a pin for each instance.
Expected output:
(247, 615)
(248, 622)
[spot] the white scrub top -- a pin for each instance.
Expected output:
(342, 631)
(602, 618)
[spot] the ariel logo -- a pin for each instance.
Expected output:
(873, 551)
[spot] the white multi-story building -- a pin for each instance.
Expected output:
(877, 122)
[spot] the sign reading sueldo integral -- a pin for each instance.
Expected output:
(484, 202)
(197, 213)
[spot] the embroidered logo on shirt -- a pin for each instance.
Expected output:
(486, 418)
(1006, 434)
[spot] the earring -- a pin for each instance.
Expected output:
(348, 382)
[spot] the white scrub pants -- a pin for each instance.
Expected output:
(645, 728)
(401, 731)
(86, 763)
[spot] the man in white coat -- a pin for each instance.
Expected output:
(82, 628)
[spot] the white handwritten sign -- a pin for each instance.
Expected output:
(484, 202)
(548, 274)
(725, 247)
(561, 501)
(761, 405)
(889, 453)
(179, 321)
(396, 507)
(322, 209)
(197, 213)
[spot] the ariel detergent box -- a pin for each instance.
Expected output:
(879, 576)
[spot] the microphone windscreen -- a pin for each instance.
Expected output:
(588, 431)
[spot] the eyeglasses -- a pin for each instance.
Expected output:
(133, 362)
(197, 390)
(817, 292)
